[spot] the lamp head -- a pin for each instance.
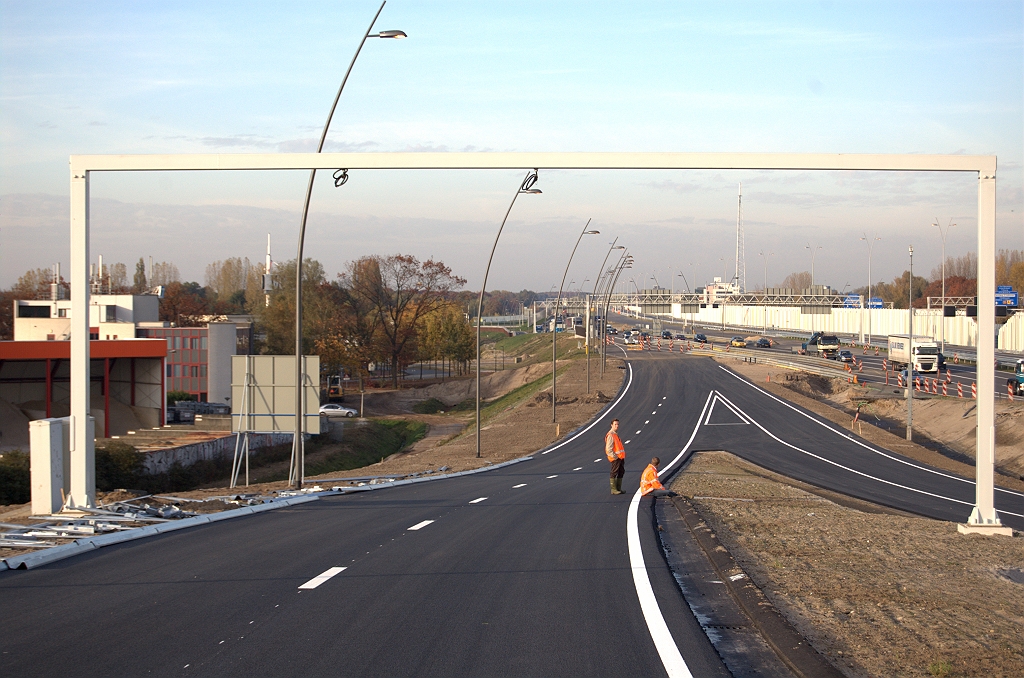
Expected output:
(395, 35)
(592, 233)
(527, 185)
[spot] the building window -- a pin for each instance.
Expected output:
(177, 370)
(170, 370)
(62, 313)
(202, 342)
(177, 341)
(202, 370)
(195, 370)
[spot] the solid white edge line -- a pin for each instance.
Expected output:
(866, 475)
(671, 659)
(420, 526)
(477, 501)
(322, 577)
(603, 415)
(854, 440)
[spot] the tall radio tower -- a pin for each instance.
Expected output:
(741, 262)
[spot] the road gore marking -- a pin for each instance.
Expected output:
(420, 526)
(477, 501)
(554, 476)
(321, 578)
(518, 486)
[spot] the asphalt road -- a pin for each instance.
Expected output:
(532, 569)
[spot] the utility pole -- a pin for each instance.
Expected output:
(910, 367)
(942, 316)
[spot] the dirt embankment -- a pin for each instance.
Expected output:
(944, 427)
(877, 592)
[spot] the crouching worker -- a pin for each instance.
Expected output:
(649, 483)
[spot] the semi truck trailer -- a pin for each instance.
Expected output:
(925, 358)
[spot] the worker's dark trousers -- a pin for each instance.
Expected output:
(618, 468)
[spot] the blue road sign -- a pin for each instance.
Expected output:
(1006, 299)
(1004, 289)
(876, 302)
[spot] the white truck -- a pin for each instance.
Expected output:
(925, 358)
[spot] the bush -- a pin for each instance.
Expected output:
(429, 406)
(118, 465)
(15, 478)
(175, 396)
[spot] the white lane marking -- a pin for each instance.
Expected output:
(857, 442)
(596, 460)
(865, 475)
(420, 526)
(554, 476)
(321, 578)
(627, 442)
(673, 661)
(638, 433)
(659, 404)
(622, 395)
(655, 411)
(578, 468)
(518, 486)
(663, 397)
(477, 501)
(646, 423)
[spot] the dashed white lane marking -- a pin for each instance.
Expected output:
(638, 433)
(659, 404)
(420, 526)
(596, 460)
(655, 411)
(578, 468)
(518, 486)
(477, 501)
(321, 578)
(663, 397)
(645, 423)
(554, 476)
(627, 442)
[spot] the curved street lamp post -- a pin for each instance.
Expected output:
(525, 187)
(297, 467)
(602, 324)
(554, 329)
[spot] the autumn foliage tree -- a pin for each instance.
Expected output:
(392, 295)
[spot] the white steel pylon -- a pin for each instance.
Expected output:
(741, 260)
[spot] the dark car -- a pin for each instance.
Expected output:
(679, 336)
(700, 338)
(763, 343)
(845, 356)
(666, 334)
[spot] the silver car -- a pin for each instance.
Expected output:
(335, 410)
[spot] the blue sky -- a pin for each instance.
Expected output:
(176, 77)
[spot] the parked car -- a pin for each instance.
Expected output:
(845, 356)
(738, 342)
(763, 342)
(700, 338)
(336, 410)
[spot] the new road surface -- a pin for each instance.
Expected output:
(532, 569)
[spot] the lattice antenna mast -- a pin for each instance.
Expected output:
(741, 260)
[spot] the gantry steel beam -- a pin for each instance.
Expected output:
(983, 517)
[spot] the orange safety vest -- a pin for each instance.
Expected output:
(649, 480)
(613, 446)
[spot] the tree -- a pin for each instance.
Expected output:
(164, 273)
(278, 319)
(397, 292)
(1005, 261)
(964, 267)
(898, 291)
(139, 280)
(117, 279)
(448, 334)
(184, 304)
(798, 281)
(34, 284)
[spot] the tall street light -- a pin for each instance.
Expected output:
(554, 334)
(814, 250)
(942, 316)
(602, 324)
(765, 257)
(527, 188)
(871, 245)
(910, 347)
(625, 261)
(297, 467)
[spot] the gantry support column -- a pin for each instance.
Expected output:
(984, 519)
(83, 467)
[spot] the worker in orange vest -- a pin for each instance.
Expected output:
(616, 453)
(649, 483)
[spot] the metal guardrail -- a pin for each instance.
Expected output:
(818, 366)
